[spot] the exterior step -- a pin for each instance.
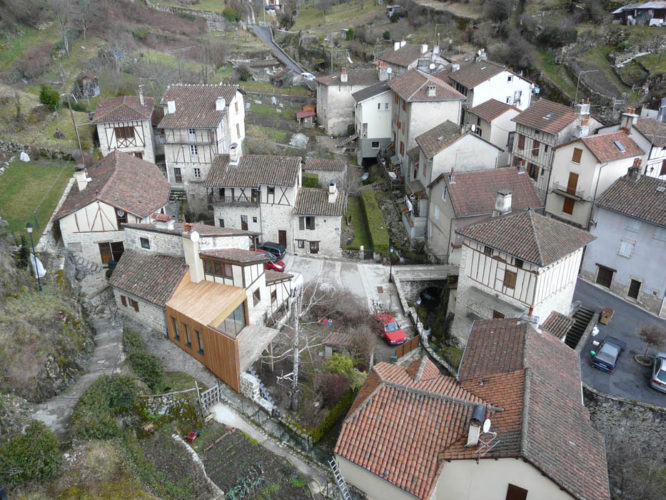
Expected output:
(582, 318)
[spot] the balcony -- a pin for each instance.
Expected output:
(574, 194)
(235, 201)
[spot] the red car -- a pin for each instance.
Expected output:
(273, 262)
(389, 329)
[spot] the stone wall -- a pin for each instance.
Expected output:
(149, 314)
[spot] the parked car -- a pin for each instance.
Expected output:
(609, 352)
(658, 380)
(430, 298)
(389, 329)
(275, 248)
(273, 262)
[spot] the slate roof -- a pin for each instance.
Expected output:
(152, 277)
(476, 73)
(275, 276)
(195, 105)
(325, 165)
(253, 171)
(123, 109)
(640, 199)
(236, 255)
(652, 130)
(412, 86)
(491, 109)
(438, 138)
(123, 181)
(357, 76)
(474, 193)
(371, 91)
(314, 201)
(528, 236)
(404, 56)
(204, 230)
(605, 148)
(546, 116)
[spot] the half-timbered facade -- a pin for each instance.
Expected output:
(125, 124)
(120, 189)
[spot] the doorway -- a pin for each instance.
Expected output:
(110, 251)
(282, 238)
(604, 276)
(634, 288)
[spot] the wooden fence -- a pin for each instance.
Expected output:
(407, 347)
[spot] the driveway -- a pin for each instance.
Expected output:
(629, 379)
(264, 34)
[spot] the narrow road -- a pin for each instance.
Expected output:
(264, 34)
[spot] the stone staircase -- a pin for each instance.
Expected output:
(582, 318)
(82, 264)
(177, 195)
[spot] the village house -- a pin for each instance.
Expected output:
(420, 102)
(317, 222)
(629, 222)
(583, 169)
(327, 170)
(119, 189)
(335, 104)
(125, 124)
(373, 113)
(647, 14)
(512, 427)
(516, 265)
(493, 121)
(457, 200)
(200, 122)
(542, 127)
(405, 57)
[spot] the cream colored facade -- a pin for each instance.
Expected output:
(133, 137)
(372, 485)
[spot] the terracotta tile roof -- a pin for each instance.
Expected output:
(476, 73)
(236, 255)
(305, 114)
(123, 181)
(404, 56)
(547, 116)
(371, 91)
(325, 164)
(412, 86)
(150, 276)
(642, 199)
(253, 171)
(528, 236)
(204, 230)
(438, 138)
(356, 77)
(123, 109)
(491, 109)
(195, 105)
(474, 193)
(313, 201)
(557, 324)
(273, 277)
(652, 130)
(606, 147)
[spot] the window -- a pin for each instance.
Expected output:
(197, 173)
(123, 300)
(235, 322)
(224, 270)
(533, 171)
(194, 151)
(254, 219)
(545, 148)
(221, 222)
(191, 131)
(301, 243)
(402, 148)
(386, 106)
(497, 314)
(177, 175)
(238, 134)
(510, 279)
(236, 106)
(514, 492)
(375, 144)
(273, 296)
(535, 147)
(626, 248)
(256, 297)
(134, 304)
(633, 225)
(518, 263)
(138, 155)
(568, 206)
(121, 217)
(176, 333)
(145, 242)
(379, 105)
(306, 223)
(199, 341)
(187, 335)
(124, 133)
(403, 127)
(577, 154)
(521, 142)
(314, 247)
(399, 124)
(487, 250)
(509, 78)
(244, 222)
(209, 266)
(270, 190)
(663, 168)
(404, 105)
(436, 212)
(395, 97)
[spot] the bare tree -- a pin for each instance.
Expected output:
(84, 15)
(653, 335)
(63, 11)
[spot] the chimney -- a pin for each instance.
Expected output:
(583, 113)
(455, 67)
(343, 75)
(220, 103)
(191, 251)
(432, 90)
(435, 49)
(521, 167)
(396, 46)
(383, 71)
(628, 119)
(171, 107)
(502, 202)
(234, 153)
(424, 48)
(332, 191)
(141, 100)
(634, 172)
(403, 42)
(82, 179)
(475, 423)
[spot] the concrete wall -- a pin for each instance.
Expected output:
(160, 243)
(327, 232)
(335, 107)
(372, 485)
(143, 134)
(505, 87)
(500, 129)
(376, 113)
(149, 314)
(324, 177)
(255, 281)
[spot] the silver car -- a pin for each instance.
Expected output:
(658, 380)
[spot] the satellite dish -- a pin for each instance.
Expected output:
(120, 213)
(486, 426)
(389, 70)
(432, 66)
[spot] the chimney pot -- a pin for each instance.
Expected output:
(220, 103)
(171, 107)
(141, 100)
(424, 48)
(432, 90)
(188, 227)
(343, 75)
(503, 202)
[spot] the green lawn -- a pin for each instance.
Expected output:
(269, 88)
(269, 134)
(26, 187)
(348, 12)
(555, 72)
(358, 224)
(654, 63)
(213, 5)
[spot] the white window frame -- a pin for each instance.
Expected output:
(197, 172)
(626, 248)
(194, 150)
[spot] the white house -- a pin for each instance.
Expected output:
(629, 222)
(373, 112)
(493, 121)
(119, 189)
(420, 102)
(583, 169)
(335, 104)
(318, 221)
(200, 122)
(405, 57)
(522, 264)
(125, 124)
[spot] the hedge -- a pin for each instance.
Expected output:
(32, 456)
(379, 234)
(333, 417)
(146, 366)
(310, 180)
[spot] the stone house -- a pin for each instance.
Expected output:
(542, 127)
(119, 189)
(125, 124)
(373, 112)
(199, 123)
(405, 57)
(583, 169)
(456, 201)
(516, 265)
(327, 170)
(493, 121)
(383, 449)
(629, 222)
(335, 104)
(317, 222)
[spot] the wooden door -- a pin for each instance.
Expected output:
(604, 276)
(634, 288)
(573, 183)
(105, 252)
(282, 238)
(244, 222)
(568, 206)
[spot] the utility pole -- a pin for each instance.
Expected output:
(296, 312)
(76, 129)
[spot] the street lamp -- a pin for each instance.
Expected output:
(33, 260)
(578, 81)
